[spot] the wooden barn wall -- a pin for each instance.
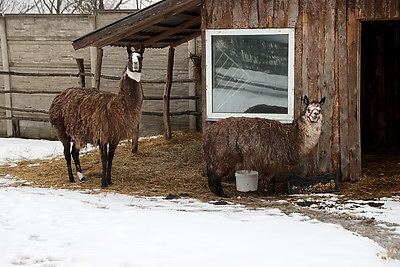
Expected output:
(42, 44)
(327, 56)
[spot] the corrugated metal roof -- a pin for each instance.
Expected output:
(166, 23)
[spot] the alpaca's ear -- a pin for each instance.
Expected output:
(129, 49)
(141, 51)
(306, 101)
(322, 101)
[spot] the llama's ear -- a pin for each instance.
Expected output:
(322, 101)
(141, 51)
(306, 101)
(129, 49)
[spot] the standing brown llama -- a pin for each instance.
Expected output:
(90, 116)
(257, 144)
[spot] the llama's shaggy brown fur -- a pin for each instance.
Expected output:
(263, 145)
(88, 115)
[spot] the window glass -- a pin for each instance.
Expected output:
(250, 73)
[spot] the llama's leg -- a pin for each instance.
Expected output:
(270, 188)
(214, 183)
(103, 152)
(67, 155)
(268, 184)
(75, 156)
(110, 157)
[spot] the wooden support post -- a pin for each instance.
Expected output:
(93, 50)
(97, 72)
(167, 94)
(81, 68)
(192, 52)
(12, 127)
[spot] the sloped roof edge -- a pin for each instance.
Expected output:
(143, 20)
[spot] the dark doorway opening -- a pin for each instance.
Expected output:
(380, 86)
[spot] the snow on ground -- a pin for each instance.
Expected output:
(49, 227)
(16, 149)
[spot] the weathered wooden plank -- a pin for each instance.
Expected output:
(295, 21)
(293, 13)
(394, 9)
(341, 84)
(368, 8)
(206, 16)
(167, 94)
(314, 43)
(253, 14)
(328, 89)
(280, 19)
(239, 20)
(380, 9)
(353, 46)
(245, 14)
(226, 17)
(304, 72)
(333, 52)
(263, 12)
(270, 13)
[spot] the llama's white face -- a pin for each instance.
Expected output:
(313, 112)
(136, 64)
(134, 67)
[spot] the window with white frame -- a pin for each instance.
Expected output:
(250, 73)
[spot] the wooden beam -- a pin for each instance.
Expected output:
(192, 51)
(353, 88)
(167, 94)
(134, 23)
(172, 31)
(187, 15)
(97, 72)
(159, 27)
(81, 67)
(184, 40)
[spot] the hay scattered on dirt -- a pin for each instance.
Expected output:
(174, 168)
(380, 177)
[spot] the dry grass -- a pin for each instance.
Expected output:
(380, 177)
(159, 168)
(162, 168)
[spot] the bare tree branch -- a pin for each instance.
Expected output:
(69, 6)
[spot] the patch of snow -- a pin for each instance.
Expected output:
(48, 227)
(41, 227)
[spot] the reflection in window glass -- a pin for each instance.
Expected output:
(249, 74)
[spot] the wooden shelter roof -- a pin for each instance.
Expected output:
(166, 23)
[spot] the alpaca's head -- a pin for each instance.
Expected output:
(135, 63)
(312, 112)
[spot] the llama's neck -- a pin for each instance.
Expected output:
(136, 76)
(130, 89)
(309, 134)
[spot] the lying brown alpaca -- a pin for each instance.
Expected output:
(90, 116)
(262, 145)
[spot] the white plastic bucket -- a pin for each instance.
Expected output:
(246, 180)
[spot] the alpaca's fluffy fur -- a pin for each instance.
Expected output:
(263, 145)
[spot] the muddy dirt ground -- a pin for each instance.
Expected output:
(174, 169)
